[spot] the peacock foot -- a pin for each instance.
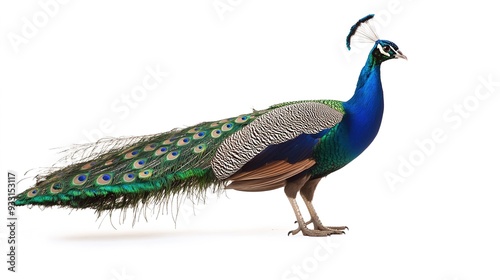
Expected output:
(324, 231)
(319, 229)
(318, 225)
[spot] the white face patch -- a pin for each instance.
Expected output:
(379, 47)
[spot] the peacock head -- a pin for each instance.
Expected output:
(382, 50)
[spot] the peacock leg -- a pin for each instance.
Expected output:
(291, 190)
(307, 193)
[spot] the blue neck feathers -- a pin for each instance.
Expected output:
(363, 112)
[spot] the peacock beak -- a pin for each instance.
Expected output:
(399, 54)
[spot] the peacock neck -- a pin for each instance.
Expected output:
(363, 112)
(368, 88)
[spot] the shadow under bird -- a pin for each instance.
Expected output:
(291, 145)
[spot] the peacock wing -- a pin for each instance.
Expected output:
(276, 146)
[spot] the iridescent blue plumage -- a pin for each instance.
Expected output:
(361, 123)
(291, 145)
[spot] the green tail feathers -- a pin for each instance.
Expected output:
(138, 170)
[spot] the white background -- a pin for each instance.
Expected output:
(441, 222)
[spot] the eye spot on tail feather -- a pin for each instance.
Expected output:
(216, 133)
(227, 127)
(129, 177)
(88, 165)
(131, 154)
(56, 188)
(242, 119)
(80, 179)
(199, 135)
(170, 140)
(161, 151)
(200, 148)
(173, 155)
(193, 130)
(145, 173)
(139, 163)
(183, 141)
(104, 179)
(150, 147)
(32, 193)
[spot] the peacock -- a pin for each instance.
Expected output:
(291, 145)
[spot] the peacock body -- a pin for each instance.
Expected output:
(291, 145)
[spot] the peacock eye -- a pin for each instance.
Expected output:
(387, 48)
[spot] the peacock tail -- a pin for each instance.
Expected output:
(139, 170)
